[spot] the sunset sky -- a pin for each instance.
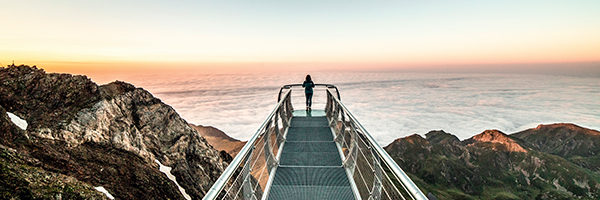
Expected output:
(97, 36)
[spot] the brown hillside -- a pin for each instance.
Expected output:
(219, 140)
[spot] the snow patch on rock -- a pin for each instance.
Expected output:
(101, 189)
(17, 120)
(167, 171)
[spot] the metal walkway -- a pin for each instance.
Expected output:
(310, 165)
(323, 154)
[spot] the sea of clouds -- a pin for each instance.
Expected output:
(389, 105)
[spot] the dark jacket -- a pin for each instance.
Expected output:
(308, 86)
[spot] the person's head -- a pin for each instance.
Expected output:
(308, 78)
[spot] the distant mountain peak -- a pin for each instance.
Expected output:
(415, 139)
(491, 136)
(555, 125)
(436, 137)
(496, 137)
(569, 126)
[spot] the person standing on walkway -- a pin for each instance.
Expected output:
(308, 86)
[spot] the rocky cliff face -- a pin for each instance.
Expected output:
(110, 135)
(490, 165)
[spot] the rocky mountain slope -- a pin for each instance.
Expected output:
(115, 136)
(493, 165)
(574, 143)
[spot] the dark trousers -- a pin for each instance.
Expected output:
(309, 99)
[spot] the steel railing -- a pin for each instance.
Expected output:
(375, 174)
(372, 172)
(248, 174)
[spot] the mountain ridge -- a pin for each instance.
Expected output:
(220, 140)
(575, 143)
(494, 165)
(110, 135)
(82, 135)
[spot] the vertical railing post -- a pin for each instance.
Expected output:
(334, 115)
(283, 118)
(276, 126)
(279, 135)
(378, 177)
(288, 106)
(343, 129)
(350, 162)
(339, 137)
(247, 184)
(328, 104)
(268, 127)
(269, 157)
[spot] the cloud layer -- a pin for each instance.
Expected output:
(389, 105)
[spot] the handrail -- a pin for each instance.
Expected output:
(415, 192)
(214, 191)
(297, 85)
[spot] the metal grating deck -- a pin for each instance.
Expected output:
(310, 165)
